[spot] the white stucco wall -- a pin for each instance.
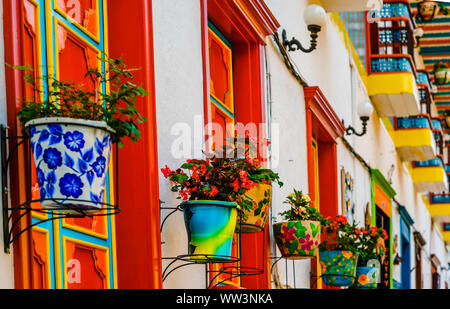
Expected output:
(179, 104)
(6, 260)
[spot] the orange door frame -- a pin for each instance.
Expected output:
(324, 126)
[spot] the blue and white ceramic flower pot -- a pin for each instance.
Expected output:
(71, 158)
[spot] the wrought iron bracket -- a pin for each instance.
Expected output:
(294, 44)
(229, 268)
(350, 130)
(13, 215)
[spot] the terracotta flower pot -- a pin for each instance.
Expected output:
(367, 277)
(210, 227)
(297, 239)
(71, 157)
(338, 267)
(427, 10)
(253, 219)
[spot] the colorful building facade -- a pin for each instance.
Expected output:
(229, 64)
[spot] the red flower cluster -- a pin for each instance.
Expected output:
(217, 179)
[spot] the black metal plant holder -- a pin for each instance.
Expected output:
(13, 215)
(228, 271)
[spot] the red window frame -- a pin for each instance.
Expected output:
(245, 24)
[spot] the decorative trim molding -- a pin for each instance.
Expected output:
(316, 101)
(382, 182)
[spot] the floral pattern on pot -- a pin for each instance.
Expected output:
(367, 277)
(297, 239)
(210, 226)
(253, 220)
(71, 160)
(338, 267)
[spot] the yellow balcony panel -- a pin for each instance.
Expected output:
(415, 144)
(446, 236)
(429, 179)
(440, 210)
(351, 5)
(394, 94)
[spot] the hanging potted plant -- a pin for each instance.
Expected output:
(71, 132)
(298, 237)
(371, 252)
(338, 252)
(209, 190)
(427, 10)
(255, 203)
(441, 72)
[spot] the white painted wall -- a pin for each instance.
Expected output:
(6, 260)
(179, 104)
(179, 95)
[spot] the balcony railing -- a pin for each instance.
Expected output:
(414, 122)
(390, 52)
(440, 198)
(436, 162)
(414, 139)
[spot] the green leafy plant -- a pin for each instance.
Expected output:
(370, 244)
(340, 235)
(300, 208)
(67, 99)
(211, 179)
(441, 65)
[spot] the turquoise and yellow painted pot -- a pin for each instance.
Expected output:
(297, 239)
(367, 277)
(338, 267)
(210, 227)
(442, 76)
(253, 219)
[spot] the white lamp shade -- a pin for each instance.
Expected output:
(365, 109)
(418, 32)
(315, 15)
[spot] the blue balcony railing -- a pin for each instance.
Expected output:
(440, 198)
(391, 64)
(436, 123)
(436, 162)
(447, 168)
(415, 122)
(399, 9)
(423, 78)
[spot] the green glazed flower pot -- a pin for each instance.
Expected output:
(297, 239)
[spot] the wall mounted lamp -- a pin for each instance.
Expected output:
(418, 33)
(365, 110)
(315, 19)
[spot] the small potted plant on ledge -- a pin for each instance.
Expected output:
(298, 236)
(255, 203)
(209, 189)
(371, 252)
(441, 72)
(72, 129)
(338, 252)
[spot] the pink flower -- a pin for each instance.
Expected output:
(288, 234)
(306, 243)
